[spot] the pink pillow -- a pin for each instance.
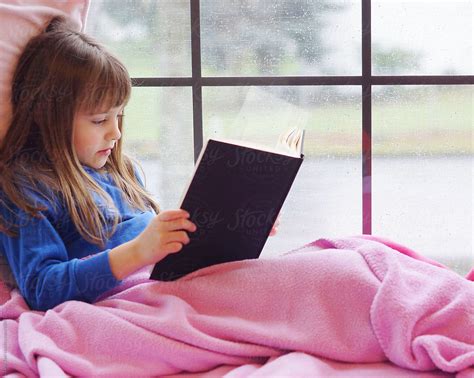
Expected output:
(20, 20)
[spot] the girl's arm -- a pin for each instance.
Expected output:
(45, 276)
(124, 260)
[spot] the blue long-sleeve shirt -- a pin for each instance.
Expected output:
(52, 263)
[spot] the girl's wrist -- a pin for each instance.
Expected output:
(139, 252)
(125, 259)
(135, 253)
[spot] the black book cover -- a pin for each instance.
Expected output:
(234, 198)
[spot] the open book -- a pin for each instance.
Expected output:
(234, 197)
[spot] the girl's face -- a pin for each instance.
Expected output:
(95, 135)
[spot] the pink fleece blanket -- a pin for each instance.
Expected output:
(354, 300)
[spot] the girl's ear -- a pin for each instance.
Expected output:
(31, 20)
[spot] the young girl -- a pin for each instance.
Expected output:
(75, 218)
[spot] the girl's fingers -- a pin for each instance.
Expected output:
(169, 215)
(274, 229)
(277, 222)
(172, 248)
(177, 237)
(179, 224)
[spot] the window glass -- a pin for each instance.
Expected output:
(158, 132)
(325, 198)
(422, 135)
(422, 37)
(423, 170)
(152, 38)
(280, 37)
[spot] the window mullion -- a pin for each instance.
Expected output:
(196, 76)
(366, 118)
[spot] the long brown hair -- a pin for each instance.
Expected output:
(60, 72)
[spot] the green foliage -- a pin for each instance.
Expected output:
(394, 61)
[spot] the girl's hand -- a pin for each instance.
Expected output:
(275, 226)
(165, 234)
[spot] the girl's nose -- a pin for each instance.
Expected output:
(114, 133)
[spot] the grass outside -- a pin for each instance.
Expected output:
(417, 121)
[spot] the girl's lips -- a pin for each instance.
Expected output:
(106, 151)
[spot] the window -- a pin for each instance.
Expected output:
(383, 88)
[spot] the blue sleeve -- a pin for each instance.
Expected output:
(45, 276)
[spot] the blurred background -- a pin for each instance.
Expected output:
(422, 135)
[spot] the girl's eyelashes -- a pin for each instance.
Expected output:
(101, 121)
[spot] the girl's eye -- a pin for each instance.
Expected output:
(100, 122)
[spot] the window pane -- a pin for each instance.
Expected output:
(158, 131)
(422, 37)
(326, 196)
(152, 38)
(280, 37)
(423, 171)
